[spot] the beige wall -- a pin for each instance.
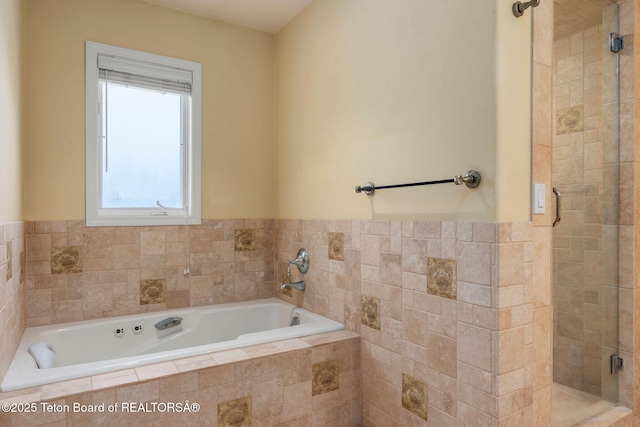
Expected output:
(238, 101)
(369, 90)
(10, 110)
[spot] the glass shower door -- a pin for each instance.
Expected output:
(586, 172)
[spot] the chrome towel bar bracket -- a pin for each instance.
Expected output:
(518, 7)
(471, 179)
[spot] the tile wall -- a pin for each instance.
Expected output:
(12, 291)
(77, 273)
(542, 68)
(311, 381)
(581, 240)
(585, 157)
(447, 328)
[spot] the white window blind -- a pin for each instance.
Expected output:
(132, 72)
(151, 138)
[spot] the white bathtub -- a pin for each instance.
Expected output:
(92, 347)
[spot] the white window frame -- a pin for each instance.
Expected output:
(97, 216)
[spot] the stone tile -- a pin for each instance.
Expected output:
(370, 311)
(415, 397)
(441, 277)
(570, 120)
(153, 291)
(235, 413)
(245, 240)
(325, 377)
(152, 242)
(66, 260)
(336, 246)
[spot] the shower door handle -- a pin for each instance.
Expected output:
(558, 207)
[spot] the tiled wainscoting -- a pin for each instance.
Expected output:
(77, 273)
(445, 309)
(300, 382)
(12, 286)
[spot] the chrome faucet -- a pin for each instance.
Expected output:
(302, 262)
(300, 285)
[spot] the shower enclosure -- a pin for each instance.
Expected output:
(586, 173)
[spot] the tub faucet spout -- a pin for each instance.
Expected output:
(169, 322)
(301, 286)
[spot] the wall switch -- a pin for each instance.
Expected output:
(539, 194)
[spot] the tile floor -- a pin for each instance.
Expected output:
(570, 406)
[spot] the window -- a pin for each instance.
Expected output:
(143, 138)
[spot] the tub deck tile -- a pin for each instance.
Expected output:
(156, 370)
(293, 344)
(114, 379)
(230, 356)
(262, 350)
(27, 395)
(194, 363)
(65, 388)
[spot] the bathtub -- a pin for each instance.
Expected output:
(98, 346)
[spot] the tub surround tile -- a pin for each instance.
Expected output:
(64, 388)
(230, 356)
(235, 413)
(336, 246)
(113, 379)
(370, 311)
(415, 396)
(274, 390)
(157, 370)
(66, 259)
(194, 363)
(153, 291)
(325, 377)
(445, 339)
(441, 278)
(245, 240)
(115, 259)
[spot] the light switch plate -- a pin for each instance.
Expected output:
(539, 195)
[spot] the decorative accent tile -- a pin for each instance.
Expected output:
(370, 311)
(336, 246)
(66, 259)
(9, 260)
(325, 377)
(415, 397)
(235, 413)
(441, 277)
(245, 240)
(570, 120)
(153, 291)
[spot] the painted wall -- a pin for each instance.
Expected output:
(238, 101)
(10, 110)
(370, 90)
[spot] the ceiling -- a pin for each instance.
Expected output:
(263, 15)
(572, 16)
